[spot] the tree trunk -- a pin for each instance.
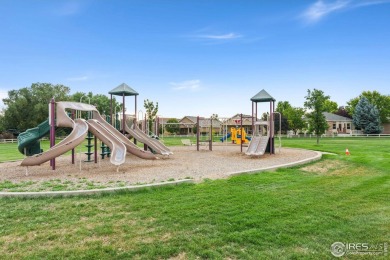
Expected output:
(318, 139)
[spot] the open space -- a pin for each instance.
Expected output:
(295, 212)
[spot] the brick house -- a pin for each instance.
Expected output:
(338, 124)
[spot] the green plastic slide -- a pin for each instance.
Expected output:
(28, 142)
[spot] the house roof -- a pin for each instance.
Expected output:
(191, 118)
(207, 122)
(239, 116)
(262, 96)
(164, 120)
(123, 89)
(334, 117)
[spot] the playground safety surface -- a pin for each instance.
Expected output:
(185, 163)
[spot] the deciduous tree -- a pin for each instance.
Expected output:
(28, 107)
(330, 106)
(295, 118)
(343, 112)
(172, 126)
(151, 112)
(315, 102)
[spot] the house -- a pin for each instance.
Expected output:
(338, 124)
(386, 128)
(235, 121)
(188, 125)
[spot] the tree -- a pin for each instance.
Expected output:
(174, 127)
(2, 128)
(292, 117)
(382, 103)
(330, 106)
(366, 117)
(28, 107)
(284, 124)
(315, 101)
(264, 116)
(282, 107)
(295, 118)
(343, 112)
(102, 102)
(151, 112)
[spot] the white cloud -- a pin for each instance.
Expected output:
(321, 9)
(228, 36)
(82, 78)
(191, 85)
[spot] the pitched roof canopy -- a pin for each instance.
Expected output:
(262, 96)
(123, 89)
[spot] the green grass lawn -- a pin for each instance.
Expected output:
(294, 213)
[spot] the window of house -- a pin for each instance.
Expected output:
(348, 126)
(334, 126)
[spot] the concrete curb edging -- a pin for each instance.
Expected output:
(90, 192)
(316, 157)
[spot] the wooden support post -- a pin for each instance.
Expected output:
(146, 132)
(253, 121)
(241, 133)
(123, 119)
(211, 135)
(52, 130)
(197, 133)
(73, 148)
(111, 122)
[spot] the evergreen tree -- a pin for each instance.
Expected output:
(366, 117)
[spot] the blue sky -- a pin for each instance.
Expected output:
(198, 57)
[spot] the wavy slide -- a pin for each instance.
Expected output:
(76, 137)
(156, 145)
(118, 149)
(131, 148)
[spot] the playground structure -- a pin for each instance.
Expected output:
(98, 126)
(260, 138)
(259, 143)
(118, 143)
(238, 135)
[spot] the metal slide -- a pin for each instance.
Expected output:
(257, 145)
(154, 144)
(131, 148)
(118, 149)
(76, 137)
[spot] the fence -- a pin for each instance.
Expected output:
(337, 136)
(8, 140)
